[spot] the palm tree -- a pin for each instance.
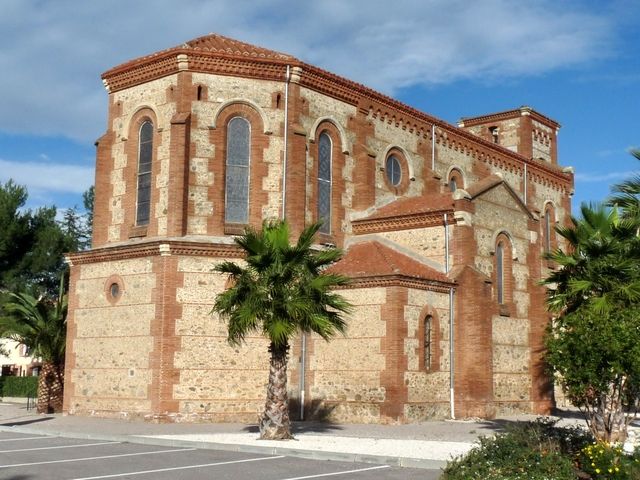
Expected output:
(626, 195)
(283, 289)
(600, 264)
(40, 325)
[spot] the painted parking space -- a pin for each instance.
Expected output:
(46, 457)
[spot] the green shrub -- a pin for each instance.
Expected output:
(18, 386)
(603, 461)
(526, 451)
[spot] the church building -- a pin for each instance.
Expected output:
(444, 229)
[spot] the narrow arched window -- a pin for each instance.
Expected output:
(453, 184)
(145, 155)
(324, 181)
(547, 230)
(500, 272)
(393, 170)
(236, 206)
(428, 340)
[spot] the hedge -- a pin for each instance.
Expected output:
(18, 386)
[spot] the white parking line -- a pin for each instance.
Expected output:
(84, 459)
(62, 446)
(144, 472)
(21, 438)
(337, 473)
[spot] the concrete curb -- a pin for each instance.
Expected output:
(287, 451)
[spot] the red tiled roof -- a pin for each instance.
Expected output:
(221, 44)
(372, 259)
(483, 185)
(433, 202)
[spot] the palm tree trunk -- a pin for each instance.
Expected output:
(274, 422)
(50, 388)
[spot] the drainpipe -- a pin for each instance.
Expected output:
(303, 343)
(451, 350)
(433, 147)
(451, 357)
(525, 183)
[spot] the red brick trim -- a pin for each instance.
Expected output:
(108, 289)
(72, 333)
(429, 311)
(155, 248)
(399, 281)
(401, 222)
(405, 176)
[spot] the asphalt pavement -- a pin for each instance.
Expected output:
(350, 448)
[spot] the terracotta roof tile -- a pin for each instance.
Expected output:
(434, 202)
(483, 185)
(221, 44)
(372, 259)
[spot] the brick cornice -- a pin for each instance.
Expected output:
(155, 248)
(506, 115)
(368, 101)
(400, 222)
(398, 281)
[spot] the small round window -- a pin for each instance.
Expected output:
(393, 170)
(113, 289)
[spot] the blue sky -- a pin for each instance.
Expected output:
(577, 62)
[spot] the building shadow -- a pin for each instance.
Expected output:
(26, 422)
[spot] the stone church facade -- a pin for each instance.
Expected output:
(444, 229)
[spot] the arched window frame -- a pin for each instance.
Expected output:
(548, 230)
(456, 179)
(428, 338)
(324, 181)
(241, 165)
(403, 171)
(144, 173)
(503, 272)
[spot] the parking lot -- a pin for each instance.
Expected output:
(32, 457)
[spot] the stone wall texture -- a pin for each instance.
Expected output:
(155, 350)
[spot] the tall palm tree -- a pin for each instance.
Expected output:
(282, 289)
(40, 325)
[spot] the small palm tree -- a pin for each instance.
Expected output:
(282, 290)
(40, 325)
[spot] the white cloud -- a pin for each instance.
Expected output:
(47, 177)
(54, 52)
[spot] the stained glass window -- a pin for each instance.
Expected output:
(145, 155)
(236, 208)
(324, 182)
(393, 170)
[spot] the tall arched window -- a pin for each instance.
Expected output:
(500, 271)
(455, 180)
(428, 342)
(324, 181)
(548, 229)
(145, 155)
(236, 206)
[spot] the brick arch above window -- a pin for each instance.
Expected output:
(321, 123)
(502, 275)
(333, 234)
(258, 170)
(428, 356)
(142, 109)
(455, 177)
(548, 223)
(229, 104)
(129, 197)
(396, 157)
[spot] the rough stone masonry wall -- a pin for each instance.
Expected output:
(109, 356)
(223, 91)
(496, 211)
(427, 391)
(218, 382)
(427, 242)
(346, 371)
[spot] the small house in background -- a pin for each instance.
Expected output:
(16, 360)
(444, 228)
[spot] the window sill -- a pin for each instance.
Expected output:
(138, 231)
(234, 228)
